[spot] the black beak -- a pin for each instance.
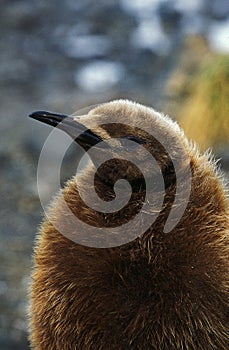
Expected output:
(85, 137)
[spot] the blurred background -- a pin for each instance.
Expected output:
(65, 55)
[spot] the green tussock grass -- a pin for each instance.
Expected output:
(205, 113)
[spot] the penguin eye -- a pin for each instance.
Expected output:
(135, 139)
(135, 144)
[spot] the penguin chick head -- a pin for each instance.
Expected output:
(137, 136)
(125, 137)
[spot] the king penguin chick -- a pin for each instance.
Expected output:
(157, 290)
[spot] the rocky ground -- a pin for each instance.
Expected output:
(51, 58)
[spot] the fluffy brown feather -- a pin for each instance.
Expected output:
(160, 291)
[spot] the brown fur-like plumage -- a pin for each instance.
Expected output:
(160, 291)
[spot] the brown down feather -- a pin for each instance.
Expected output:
(161, 291)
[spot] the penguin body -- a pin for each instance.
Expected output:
(166, 291)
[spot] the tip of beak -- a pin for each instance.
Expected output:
(48, 117)
(37, 114)
(77, 131)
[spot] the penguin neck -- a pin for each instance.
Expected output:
(104, 187)
(137, 185)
